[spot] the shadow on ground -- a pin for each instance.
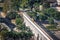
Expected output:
(7, 22)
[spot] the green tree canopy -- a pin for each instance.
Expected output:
(50, 12)
(12, 15)
(51, 20)
(19, 21)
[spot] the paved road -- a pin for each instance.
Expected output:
(54, 37)
(40, 30)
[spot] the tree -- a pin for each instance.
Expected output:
(51, 21)
(42, 16)
(12, 15)
(57, 16)
(25, 33)
(23, 3)
(29, 3)
(50, 12)
(11, 35)
(33, 15)
(15, 5)
(36, 6)
(19, 21)
(46, 5)
(34, 3)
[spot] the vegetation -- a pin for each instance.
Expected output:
(57, 16)
(50, 12)
(19, 21)
(46, 5)
(14, 36)
(5, 7)
(51, 20)
(47, 14)
(37, 16)
(24, 32)
(32, 15)
(15, 5)
(52, 27)
(12, 15)
(23, 3)
(42, 16)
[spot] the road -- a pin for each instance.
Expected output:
(35, 27)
